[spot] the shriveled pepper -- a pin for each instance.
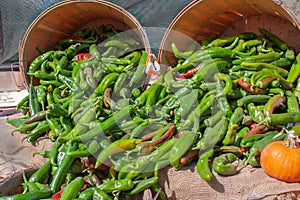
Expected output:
(273, 103)
(224, 164)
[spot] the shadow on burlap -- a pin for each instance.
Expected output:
(251, 183)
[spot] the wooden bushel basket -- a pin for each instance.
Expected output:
(197, 21)
(64, 18)
(200, 19)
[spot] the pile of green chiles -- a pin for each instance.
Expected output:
(112, 131)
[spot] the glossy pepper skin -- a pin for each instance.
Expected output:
(72, 189)
(116, 185)
(203, 165)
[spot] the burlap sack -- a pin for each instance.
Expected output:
(251, 183)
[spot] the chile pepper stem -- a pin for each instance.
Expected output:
(292, 139)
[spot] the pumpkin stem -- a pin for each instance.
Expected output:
(292, 139)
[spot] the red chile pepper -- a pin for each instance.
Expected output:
(82, 56)
(147, 147)
(257, 130)
(189, 73)
(249, 87)
(189, 157)
(273, 103)
(57, 195)
(253, 126)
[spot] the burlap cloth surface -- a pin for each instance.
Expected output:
(251, 183)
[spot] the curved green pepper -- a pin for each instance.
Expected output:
(223, 164)
(203, 165)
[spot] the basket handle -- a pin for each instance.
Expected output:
(20, 86)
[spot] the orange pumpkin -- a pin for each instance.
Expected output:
(281, 161)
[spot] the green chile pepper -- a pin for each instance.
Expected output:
(38, 131)
(35, 195)
(222, 100)
(273, 38)
(240, 134)
(72, 189)
(26, 128)
(116, 185)
(253, 98)
(212, 52)
(116, 147)
(88, 193)
(213, 135)
(42, 174)
(223, 164)
(282, 62)
(255, 66)
(212, 120)
(56, 110)
(230, 134)
(178, 54)
(34, 106)
(294, 71)
(249, 141)
(22, 102)
(202, 166)
(106, 82)
(54, 125)
(259, 145)
(99, 194)
(119, 84)
(92, 148)
(292, 102)
(38, 61)
(18, 122)
(182, 145)
(283, 118)
(255, 114)
(140, 71)
(61, 172)
(41, 95)
(69, 82)
(143, 185)
(94, 52)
